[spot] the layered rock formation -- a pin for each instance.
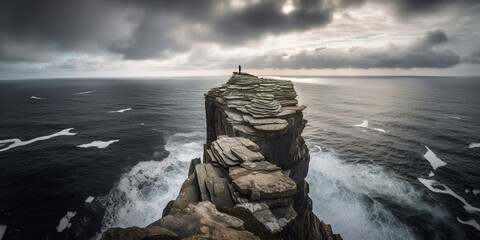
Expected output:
(254, 167)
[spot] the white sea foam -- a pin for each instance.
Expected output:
(89, 199)
(339, 192)
(33, 97)
(431, 174)
(17, 142)
(98, 144)
(65, 221)
(459, 118)
(474, 145)
(363, 124)
(319, 148)
(81, 93)
(467, 191)
(379, 129)
(475, 191)
(3, 228)
(121, 110)
(433, 159)
(431, 184)
(470, 222)
(141, 194)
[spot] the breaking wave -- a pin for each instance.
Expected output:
(353, 198)
(141, 194)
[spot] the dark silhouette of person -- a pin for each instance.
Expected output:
(239, 69)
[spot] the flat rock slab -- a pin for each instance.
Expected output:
(262, 184)
(271, 127)
(246, 155)
(260, 166)
(219, 192)
(263, 121)
(248, 144)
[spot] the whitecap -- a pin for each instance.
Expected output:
(121, 110)
(363, 124)
(431, 174)
(379, 129)
(319, 148)
(458, 118)
(89, 199)
(65, 221)
(467, 191)
(475, 191)
(338, 191)
(81, 93)
(446, 190)
(98, 144)
(33, 97)
(17, 142)
(3, 228)
(433, 159)
(474, 145)
(141, 194)
(470, 222)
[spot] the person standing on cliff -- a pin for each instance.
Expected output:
(239, 69)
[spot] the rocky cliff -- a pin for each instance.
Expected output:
(251, 184)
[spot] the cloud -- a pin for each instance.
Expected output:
(473, 57)
(143, 29)
(49, 30)
(422, 53)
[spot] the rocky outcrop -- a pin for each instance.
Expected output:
(266, 112)
(254, 167)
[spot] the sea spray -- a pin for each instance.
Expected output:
(353, 198)
(141, 194)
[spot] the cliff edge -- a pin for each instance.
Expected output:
(251, 184)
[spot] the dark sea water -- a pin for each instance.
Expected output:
(371, 142)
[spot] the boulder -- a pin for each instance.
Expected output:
(262, 184)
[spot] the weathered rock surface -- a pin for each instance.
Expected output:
(254, 166)
(266, 112)
(197, 221)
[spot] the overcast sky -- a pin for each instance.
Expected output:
(115, 38)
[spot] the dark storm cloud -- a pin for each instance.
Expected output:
(39, 31)
(422, 53)
(407, 8)
(141, 29)
(268, 17)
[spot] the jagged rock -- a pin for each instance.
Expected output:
(281, 145)
(133, 233)
(275, 202)
(284, 214)
(188, 193)
(202, 173)
(197, 221)
(263, 214)
(219, 191)
(262, 184)
(193, 163)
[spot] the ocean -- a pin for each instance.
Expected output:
(391, 157)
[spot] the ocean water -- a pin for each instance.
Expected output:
(391, 157)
